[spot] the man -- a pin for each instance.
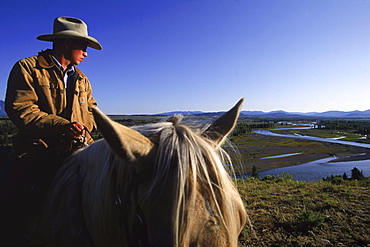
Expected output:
(49, 99)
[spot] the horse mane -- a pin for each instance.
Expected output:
(198, 162)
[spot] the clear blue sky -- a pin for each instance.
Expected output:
(164, 55)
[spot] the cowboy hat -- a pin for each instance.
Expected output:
(70, 28)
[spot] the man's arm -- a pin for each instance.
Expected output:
(21, 103)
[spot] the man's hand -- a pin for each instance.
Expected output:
(74, 129)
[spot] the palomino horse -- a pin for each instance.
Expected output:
(161, 184)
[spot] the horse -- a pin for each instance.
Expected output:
(160, 184)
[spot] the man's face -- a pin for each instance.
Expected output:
(76, 51)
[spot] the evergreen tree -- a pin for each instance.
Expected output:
(357, 174)
(254, 172)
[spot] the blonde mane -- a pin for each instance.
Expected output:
(195, 163)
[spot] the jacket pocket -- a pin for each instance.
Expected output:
(48, 86)
(82, 94)
(50, 95)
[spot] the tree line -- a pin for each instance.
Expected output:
(358, 126)
(7, 131)
(246, 127)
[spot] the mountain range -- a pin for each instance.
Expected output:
(272, 114)
(284, 114)
(327, 114)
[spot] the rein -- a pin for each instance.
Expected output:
(79, 143)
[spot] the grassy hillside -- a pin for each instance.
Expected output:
(283, 212)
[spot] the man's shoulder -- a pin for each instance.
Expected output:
(28, 59)
(42, 58)
(28, 62)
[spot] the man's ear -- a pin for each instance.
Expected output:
(67, 44)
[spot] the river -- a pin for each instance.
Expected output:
(312, 138)
(319, 169)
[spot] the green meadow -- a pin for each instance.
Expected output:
(283, 212)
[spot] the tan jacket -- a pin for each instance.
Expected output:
(36, 101)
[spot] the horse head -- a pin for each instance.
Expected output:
(180, 193)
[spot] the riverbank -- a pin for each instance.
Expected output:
(354, 157)
(253, 147)
(334, 135)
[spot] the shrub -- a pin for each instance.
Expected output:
(285, 176)
(337, 180)
(279, 178)
(309, 219)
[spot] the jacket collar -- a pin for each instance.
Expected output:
(46, 61)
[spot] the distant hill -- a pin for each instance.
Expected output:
(2, 109)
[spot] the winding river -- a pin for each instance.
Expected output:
(319, 169)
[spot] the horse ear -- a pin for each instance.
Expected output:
(125, 142)
(220, 128)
